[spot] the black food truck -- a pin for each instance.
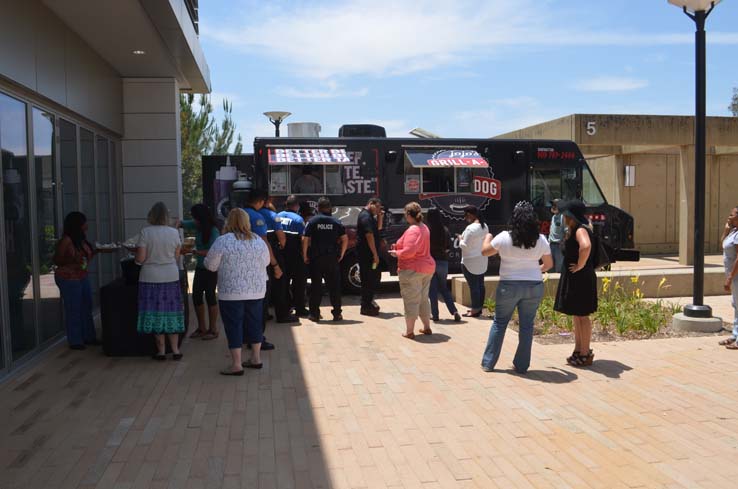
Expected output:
(447, 174)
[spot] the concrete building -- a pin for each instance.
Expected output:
(89, 121)
(645, 165)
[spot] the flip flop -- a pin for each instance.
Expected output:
(235, 373)
(732, 346)
(248, 364)
(197, 334)
(209, 336)
(409, 336)
(426, 331)
(726, 342)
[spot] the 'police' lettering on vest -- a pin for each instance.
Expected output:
(325, 227)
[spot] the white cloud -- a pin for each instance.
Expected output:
(329, 89)
(611, 84)
(322, 40)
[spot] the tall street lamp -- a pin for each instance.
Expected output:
(276, 117)
(698, 10)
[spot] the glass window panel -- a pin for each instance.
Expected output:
(592, 195)
(89, 208)
(68, 157)
(334, 180)
(279, 183)
(115, 224)
(13, 147)
(412, 177)
(438, 180)
(104, 234)
(307, 179)
(48, 228)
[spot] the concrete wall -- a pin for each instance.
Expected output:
(152, 169)
(39, 52)
(654, 202)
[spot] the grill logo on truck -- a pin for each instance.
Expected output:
(457, 158)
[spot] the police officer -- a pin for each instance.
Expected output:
(295, 274)
(255, 201)
(368, 226)
(323, 248)
(277, 287)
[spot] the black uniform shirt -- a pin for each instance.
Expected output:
(366, 224)
(324, 231)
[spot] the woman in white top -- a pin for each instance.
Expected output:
(474, 264)
(240, 257)
(521, 283)
(730, 262)
(160, 306)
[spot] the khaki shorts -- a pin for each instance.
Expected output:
(414, 290)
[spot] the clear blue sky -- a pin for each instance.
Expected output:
(460, 68)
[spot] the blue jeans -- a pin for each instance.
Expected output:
(558, 258)
(526, 296)
(77, 299)
(242, 320)
(476, 289)
(438, 285)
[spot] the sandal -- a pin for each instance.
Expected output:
(586, 360)
(732, 346)
(572, 360)
(470, 314)
(210, 335)
(426, 331)
(409, 336)
(727, 341)
(198, 334)
(228, 371)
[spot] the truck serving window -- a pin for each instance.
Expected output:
(445, 171)
(307, 171)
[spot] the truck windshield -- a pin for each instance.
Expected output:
(547, 184)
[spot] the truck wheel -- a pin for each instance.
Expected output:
(350, 277)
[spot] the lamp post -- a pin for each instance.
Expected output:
(276, 117)
(698, 10)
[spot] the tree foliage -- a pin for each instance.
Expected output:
(201, 135)
(734, 103)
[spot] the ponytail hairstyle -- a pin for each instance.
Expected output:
(414, 210)
(524, 226)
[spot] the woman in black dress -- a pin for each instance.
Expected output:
(577, 293)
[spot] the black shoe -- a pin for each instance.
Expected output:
(266, 346)
(375, 305)
(302, 313)
(367, 311)
(160, 357)
(291, 318)
(337, 317)
(457, 317)
(269, 317)
(434, 319)
(77, 347)
(248, 364)
(177, 356)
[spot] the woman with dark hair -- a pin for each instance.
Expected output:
(415, 268)
(521, 251)
(203, 225)
(160, 308)
(439, 241)
(730, 262)
(72, 259)
(474, 264)
(577, 292)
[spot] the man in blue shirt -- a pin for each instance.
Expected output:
(323, 248)
(296, 277)
(256, 200)
(277, 287)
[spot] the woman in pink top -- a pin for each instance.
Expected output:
(415, 268)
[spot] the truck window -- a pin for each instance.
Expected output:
(590, 191)
(547, 184)
(440, 180)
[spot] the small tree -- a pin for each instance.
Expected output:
(734, 103)
(201, 135)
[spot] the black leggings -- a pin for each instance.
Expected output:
(204, 283)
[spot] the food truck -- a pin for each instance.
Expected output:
(448, 174)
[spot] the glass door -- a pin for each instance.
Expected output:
(47, 218)
(17, 227)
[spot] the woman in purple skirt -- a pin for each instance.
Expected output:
(160, 305)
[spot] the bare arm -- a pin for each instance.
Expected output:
(305, 246)
(487, 248)
(548, 263)
(344, 245)
(140, 255)
(272, 259)
(281, 239)
(733, 274)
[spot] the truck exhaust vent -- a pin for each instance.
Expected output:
(303, 130)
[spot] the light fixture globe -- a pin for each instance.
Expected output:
(277, 116)
(694, 5)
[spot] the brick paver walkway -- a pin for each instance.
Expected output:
(355, 405)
